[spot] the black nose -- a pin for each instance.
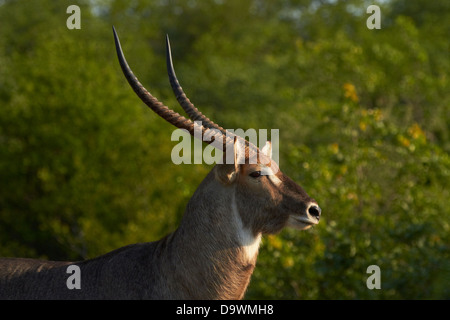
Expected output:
(314, 210)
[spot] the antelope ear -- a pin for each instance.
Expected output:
(267, 149)
(227, 173)
(239, 154)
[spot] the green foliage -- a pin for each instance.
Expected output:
(363, 118)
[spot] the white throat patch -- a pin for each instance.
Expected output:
(248, 241)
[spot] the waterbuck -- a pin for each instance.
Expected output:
(213, 252)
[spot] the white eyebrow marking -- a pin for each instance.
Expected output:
(274, 179)
(266, 171)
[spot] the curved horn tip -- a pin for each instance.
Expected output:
(167, 42)
(114, 30)
(116, 37)
(169, 61)
(168, 49)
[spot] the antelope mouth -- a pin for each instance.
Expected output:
(301, 223)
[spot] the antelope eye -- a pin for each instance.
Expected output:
(255, 174)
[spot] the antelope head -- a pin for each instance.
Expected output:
(267, 200)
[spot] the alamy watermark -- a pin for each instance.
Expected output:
(374, 21)
(214, 152)
(73, 281)
(74, 20)
(374, 280)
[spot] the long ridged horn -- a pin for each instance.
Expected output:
(173, 117)
(182, 99)
(153, 103)
(188, 106)
(163, 111)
